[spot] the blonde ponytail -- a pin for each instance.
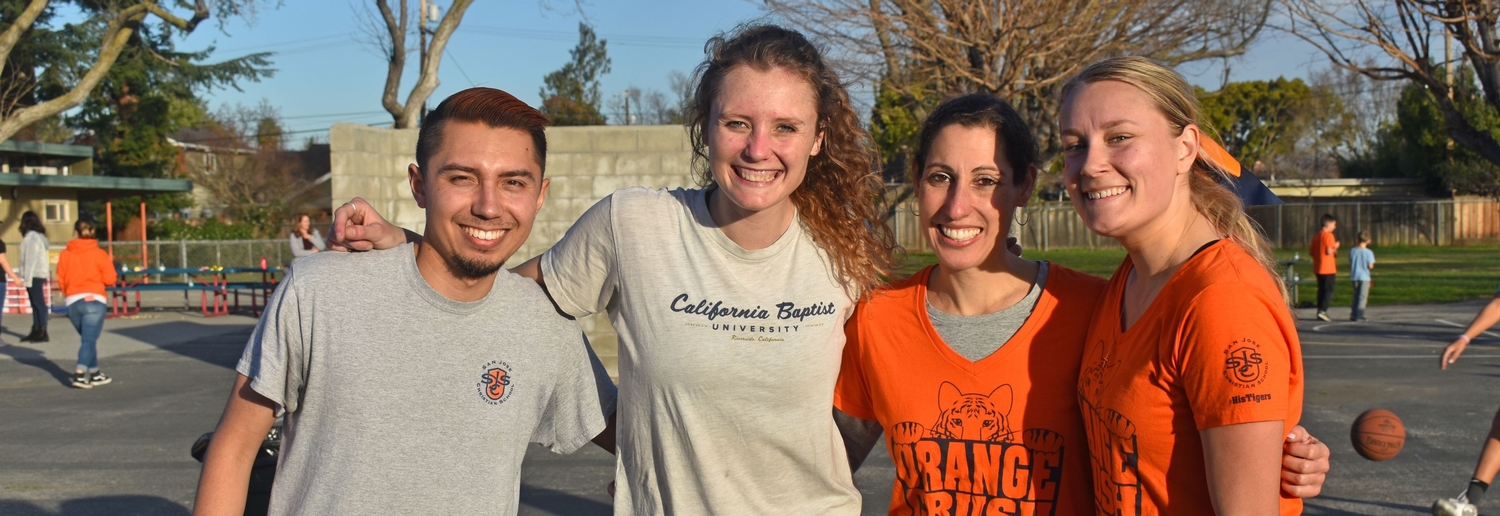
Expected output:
(1222, 208)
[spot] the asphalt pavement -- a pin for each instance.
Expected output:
(122, 448)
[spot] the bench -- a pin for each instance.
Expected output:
(119, 294)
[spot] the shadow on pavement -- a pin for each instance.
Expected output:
(222, 349)
(123, 505)
(552, 501)
(39, 360)
(1311, 509)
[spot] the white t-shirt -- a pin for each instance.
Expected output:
(728, 357)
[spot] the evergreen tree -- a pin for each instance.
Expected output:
(570, 95)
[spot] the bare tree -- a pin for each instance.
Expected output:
(389, 33)
(1021, 50)
(1369, 104)
(123, 21)
(245, 168)
(1411, 40)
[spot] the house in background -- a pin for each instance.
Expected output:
(199, 156)
(51, 179)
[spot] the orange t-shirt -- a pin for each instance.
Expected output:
(1217, 347)
(1322, 253)
(998, 436)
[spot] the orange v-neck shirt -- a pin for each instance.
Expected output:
(1217, 347)
(1002, 435)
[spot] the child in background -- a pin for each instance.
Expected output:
(1324, 248)
(1361, 261)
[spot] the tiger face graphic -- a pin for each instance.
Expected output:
(974, 417)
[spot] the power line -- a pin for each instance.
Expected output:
(334, 115)
(268, 46)
(459, 66)
(629, 40)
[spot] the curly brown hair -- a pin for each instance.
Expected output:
(839, 201)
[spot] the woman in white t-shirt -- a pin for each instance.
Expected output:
(730, 300)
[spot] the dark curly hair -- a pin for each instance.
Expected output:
(839, 201)
(30, 223)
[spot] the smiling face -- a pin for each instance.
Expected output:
(761, 131)
(1126, 166)
(967, 196)
(482, 191)
(304, 223)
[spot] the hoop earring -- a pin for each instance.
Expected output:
(1022, 220)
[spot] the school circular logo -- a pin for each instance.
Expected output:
(494, 383)
(1243, 365)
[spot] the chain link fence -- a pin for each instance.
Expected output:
(193, 254)
(1287, 226)
(189, 254)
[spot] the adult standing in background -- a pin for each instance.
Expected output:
(9, 274)
(84, 270)
(35, 271)
(1324, 249)
(304, 240)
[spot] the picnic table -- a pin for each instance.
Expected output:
(212, 284)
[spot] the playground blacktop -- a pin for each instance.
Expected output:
(122, 449)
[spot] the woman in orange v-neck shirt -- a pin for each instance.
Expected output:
(1192, 373)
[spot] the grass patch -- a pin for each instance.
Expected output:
(1414, 275)
(1402, 276)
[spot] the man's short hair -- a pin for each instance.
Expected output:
(1364, 237)
(488, 106)
(1328, 217)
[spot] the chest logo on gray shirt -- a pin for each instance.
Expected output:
(494, 384)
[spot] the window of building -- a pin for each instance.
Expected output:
(55, 212)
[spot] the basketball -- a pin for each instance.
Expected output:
(1378, 434)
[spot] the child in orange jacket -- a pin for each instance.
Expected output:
(84, 271)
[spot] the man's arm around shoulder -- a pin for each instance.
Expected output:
(226, 468)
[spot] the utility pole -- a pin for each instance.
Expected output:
(1448, 65)
(426, 13)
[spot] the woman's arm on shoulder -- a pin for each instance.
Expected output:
(531, 269)
(358, 227)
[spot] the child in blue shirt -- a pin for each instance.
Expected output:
(1361, 260)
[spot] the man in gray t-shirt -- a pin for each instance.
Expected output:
(413, 378)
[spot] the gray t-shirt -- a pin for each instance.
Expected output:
(402, 401)
(728, 357)
(979, 336)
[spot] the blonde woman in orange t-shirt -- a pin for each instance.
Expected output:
(970, 367)
(1192, 374)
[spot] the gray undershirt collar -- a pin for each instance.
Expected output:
(979, 336)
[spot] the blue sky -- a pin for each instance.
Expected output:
(326, 75)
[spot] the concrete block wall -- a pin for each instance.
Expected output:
(584, 164)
